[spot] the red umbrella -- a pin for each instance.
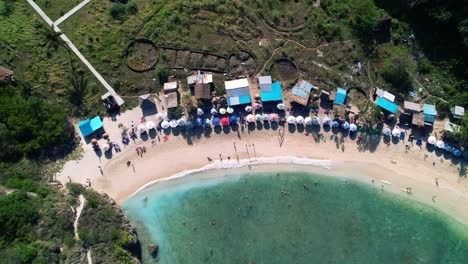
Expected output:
(225, 121)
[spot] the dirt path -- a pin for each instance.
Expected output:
(79, 209)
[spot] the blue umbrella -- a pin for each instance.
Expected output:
(189, 124)
(457, 152)
(215, 121)
(207, 123)
(199, 122)
(233, 119)
(335, 124)
(448, 148)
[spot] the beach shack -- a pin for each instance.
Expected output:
(411, 107)
(201, 85)
(340, 96)
(202, 91)
(430, 113)
(170, 87)
(147, 104)
(387, 105)
(301, 92)
(205, 78)
(384, 94)
(451, 127)
(458, 112)
(238, 92)
(89, 126)
(171, 100)
(269, 91)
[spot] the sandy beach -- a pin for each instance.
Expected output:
(417, 168)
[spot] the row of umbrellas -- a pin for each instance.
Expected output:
(445, 146)
(230, 110)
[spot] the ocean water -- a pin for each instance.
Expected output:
(290, 217)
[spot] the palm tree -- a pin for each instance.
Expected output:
(79, 84)
(51, 39)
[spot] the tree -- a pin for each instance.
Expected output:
(51, 40)
(79, 84)
(162, 74)
(117, 11)
(399, 68)
(364, 16)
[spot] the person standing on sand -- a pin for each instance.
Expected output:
(220, 158)
(437, 182)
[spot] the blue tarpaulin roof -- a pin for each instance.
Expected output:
(387, 105)
(274, 95)
(239, 100)
(340, 96)
(87, 127)
(429, 113)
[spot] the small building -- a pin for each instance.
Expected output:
(6, 75)
(387, 105)
(171, 87)
(458, 112)
(324, 95)
(275, 93)
(340, 96)
(418, 119)
(265, 83)
(171, 100)
(238, 92)
(89, 126)
(430, 113)
(202, 91)
(411, 107)
(451, 127)
(147, 104)
(382, 93)
(205, 78)
(301, 92)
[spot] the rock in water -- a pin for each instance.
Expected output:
(153, 249)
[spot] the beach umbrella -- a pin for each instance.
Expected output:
(300, 120)
(273, 117)
(431, 140)
(457, 152)
(150, 125)
(200, 112)
(207, 123)
(257, 106)
(141, 128)
(250, 118)
(352, 127)
(308, 121)
(345, 125)
(248, 108)
(222, 111)
(440, 144)
(181, 122)
(233, 119)
(265, 117)
(280, 106)
(386, 131)
(225, 121)
(335, 124)
(396, 132)
(198, 122)
(326, 121)
(230, 110)
(189, 124)
(258, 117)
(106, 147)
(216, 121)
(213, 111)
(291, 120)
(448, 148)
(93, 141)
(316, 120)
(105, 136)
(160, 116)
(173, 123)
(165, 124)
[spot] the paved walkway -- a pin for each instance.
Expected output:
(71, 12)
(73, 48)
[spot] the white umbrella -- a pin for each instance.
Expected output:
(300, 120)
(106, 147)
(200, 112)
(345, 125)
(308, 121)
(150, 125)
(165, 124)
(181, 122)
(316, 120)
(250, 118)
(280, 106)
(386, 131)
(326, 120)
(291, 120)
(230, 110)
(431, 140)
(396, 132)
(258, 117)
(440, 144)
(214, 111)
(141, 128)
(222, 111)
(265, 117)
(160, 116)
(248, 108)
(352, 127)
(173, 123)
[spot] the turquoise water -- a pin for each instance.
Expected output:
(291, 218)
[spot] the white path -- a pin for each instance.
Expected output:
(79, 209)
(71, 12)
(88, 256)
(72, 47)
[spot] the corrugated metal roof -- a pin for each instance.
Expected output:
(264, 80)
(170, 85)
(235, 84)
(387, 105)
(411, 106)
